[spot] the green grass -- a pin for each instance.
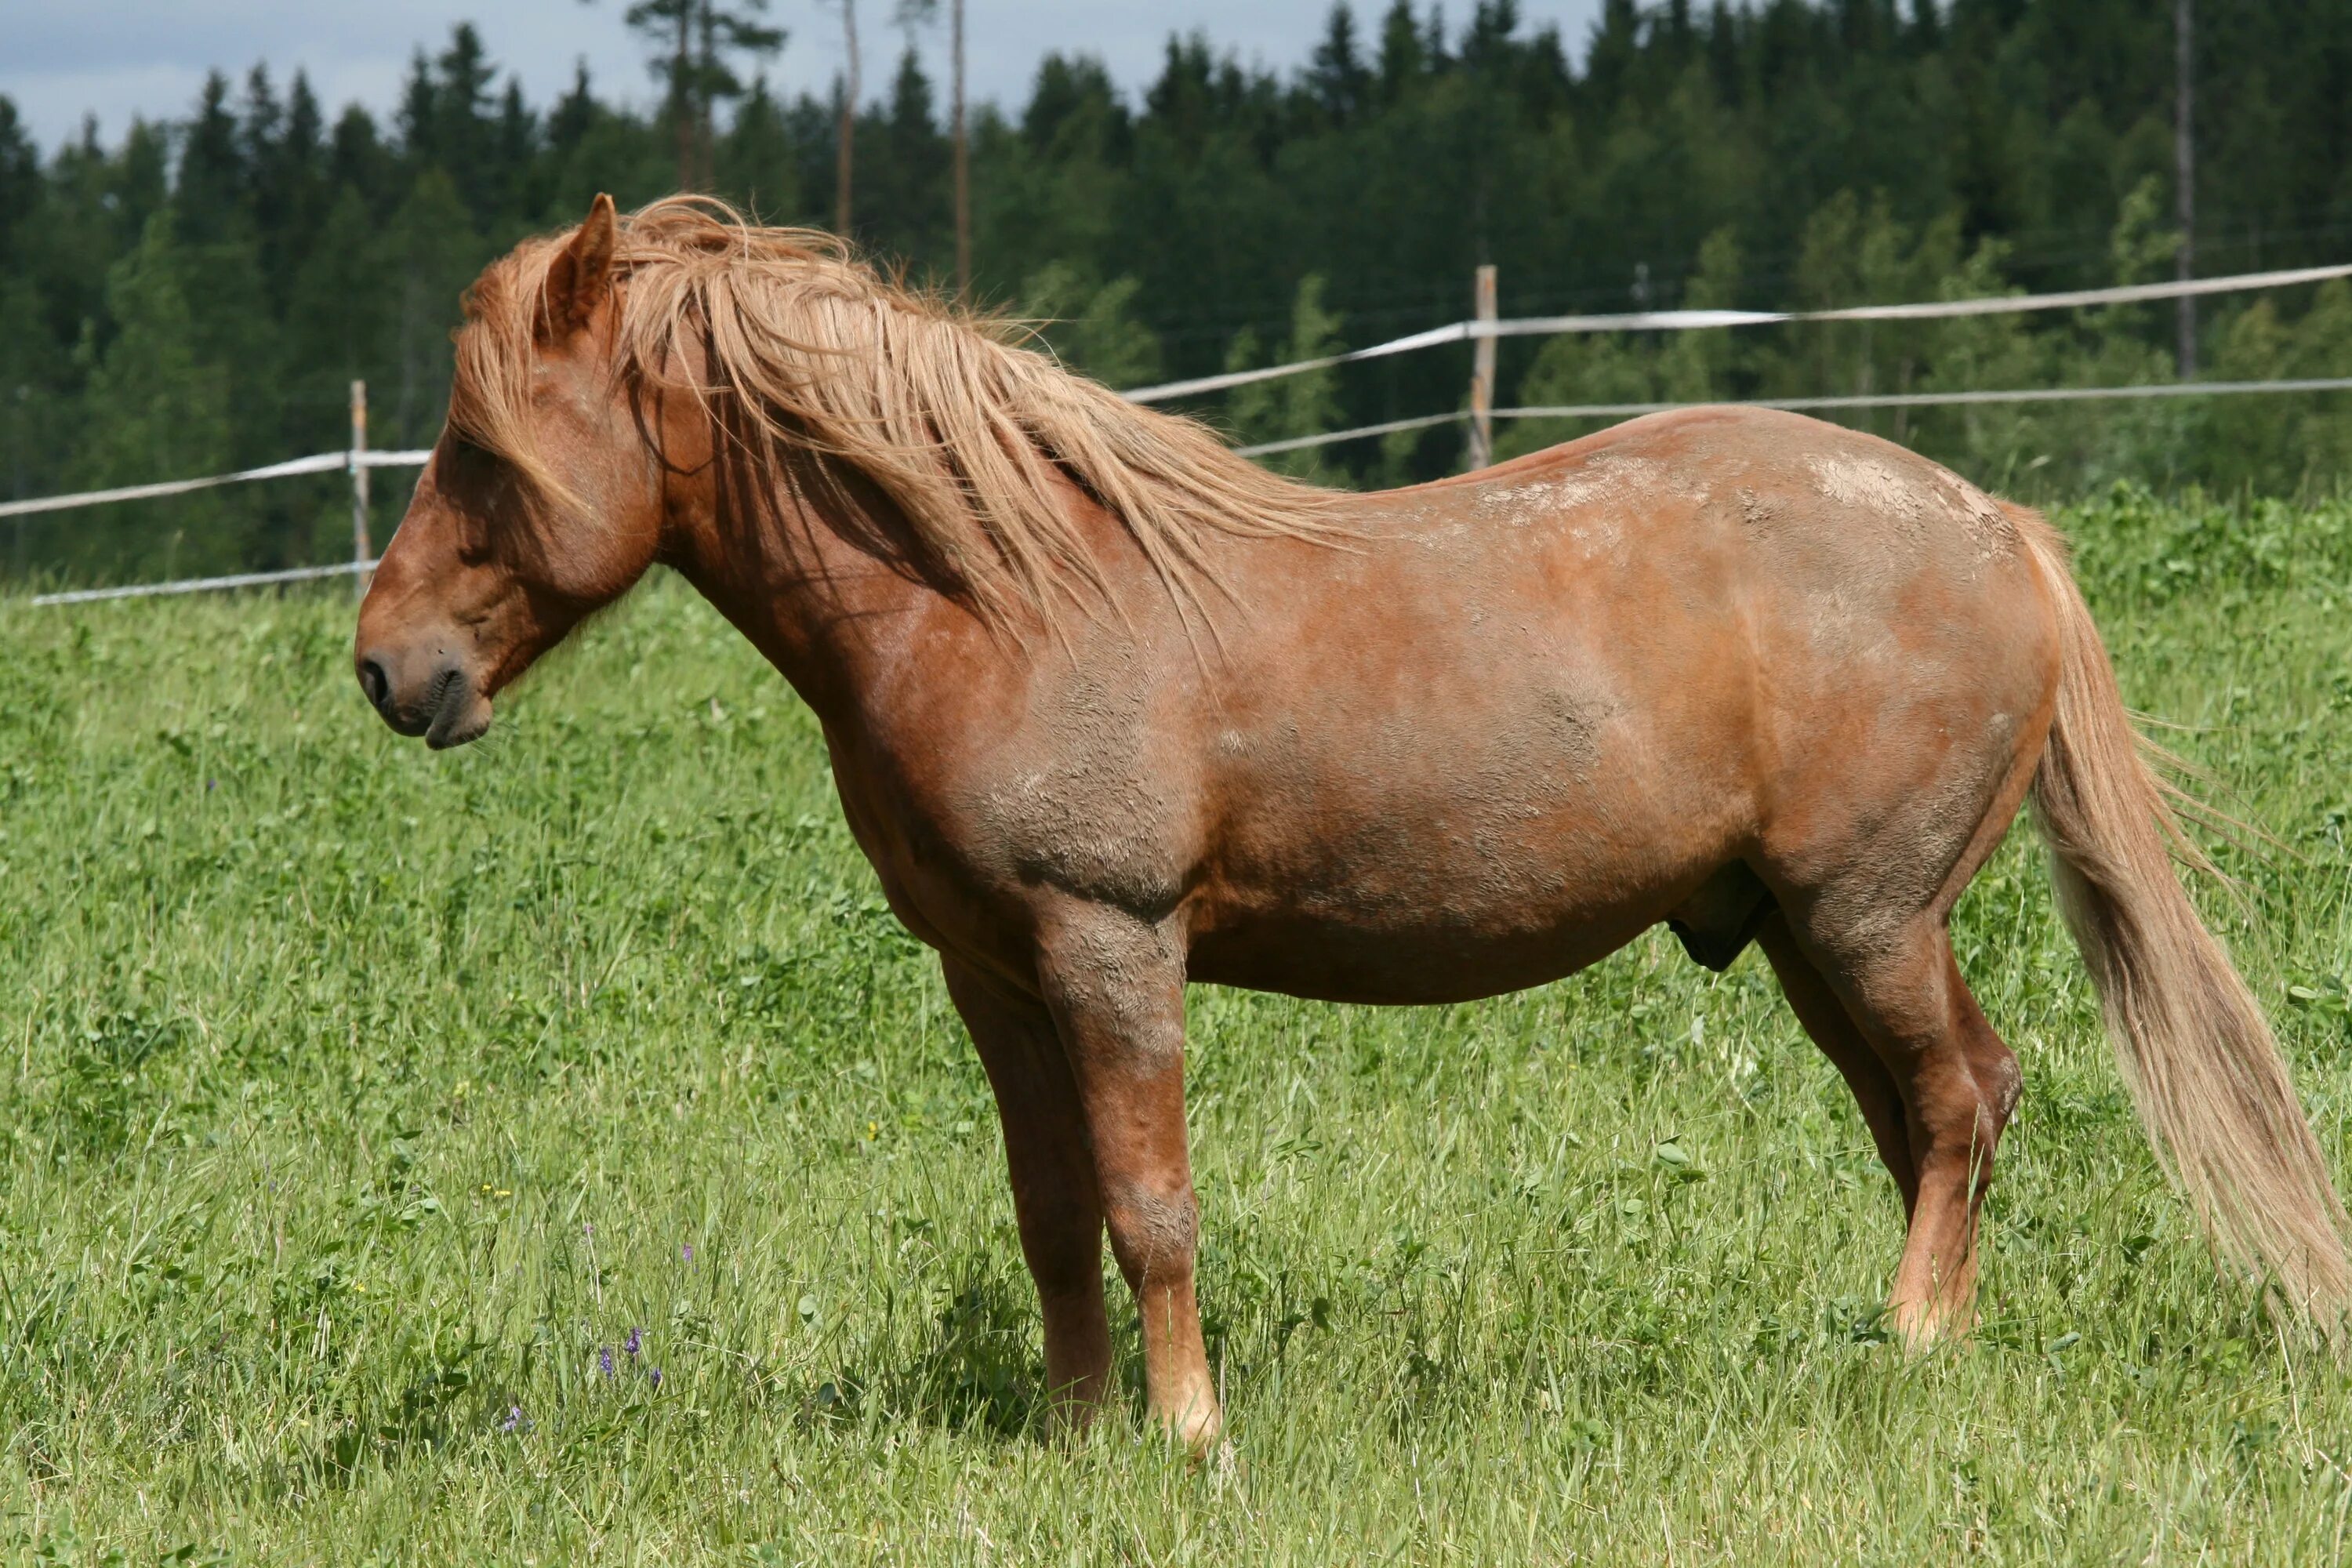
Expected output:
(356, 1096)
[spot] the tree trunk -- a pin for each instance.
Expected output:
(849, 134)
(962, 169)
(681, 97)
(706, 74)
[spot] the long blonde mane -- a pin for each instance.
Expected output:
(981, 441)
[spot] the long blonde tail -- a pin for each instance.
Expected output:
(2194, 1050)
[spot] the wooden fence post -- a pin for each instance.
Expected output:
(361, 552)
(1482, 374)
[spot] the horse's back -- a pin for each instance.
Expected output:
(1840, 557)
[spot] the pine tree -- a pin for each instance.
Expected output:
(460, 134)
(341, 309)
(20, 183)
(435, 253)
(695, 45)
(1402, 60)
(285, 168)
(356, 157)
(905, 201)
(1336, 79)
(756, 164)
(1092, 328)
(209, 197)
(1301, 404)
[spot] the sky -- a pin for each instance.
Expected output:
(63, 60)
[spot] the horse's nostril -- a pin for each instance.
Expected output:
(375, 683)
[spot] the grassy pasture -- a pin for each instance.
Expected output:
(359, 1103)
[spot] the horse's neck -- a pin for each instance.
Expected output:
(799, 565)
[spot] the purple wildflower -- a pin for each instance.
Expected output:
(655, 1377)
(634, 1343)
(687, 1252)
(513, 1420)
(588, 1229)
(604, 1360)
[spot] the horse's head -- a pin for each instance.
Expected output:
(540, 503)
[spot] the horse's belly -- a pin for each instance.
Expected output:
(1492, 896)
(1331, 960)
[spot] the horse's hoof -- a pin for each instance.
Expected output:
(1921, 1330)
(1197, 1430)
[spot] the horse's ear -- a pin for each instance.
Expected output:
(582, 273)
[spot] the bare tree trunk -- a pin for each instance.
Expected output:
(705, 73)
(962, 169)
(681, 97)
(848, 135)
(2184, 177)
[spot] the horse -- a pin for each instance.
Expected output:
(1112, 710)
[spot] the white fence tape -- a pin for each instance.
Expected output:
(1684, 321)
(1329, 437)
(1457, 331)
(321, 463)
(202, 584)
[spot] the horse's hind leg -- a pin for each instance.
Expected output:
(1825, 1018)
(1873, 934)
(1961, 1106)
(1958, 1083)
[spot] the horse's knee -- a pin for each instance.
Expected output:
(1154, 1228)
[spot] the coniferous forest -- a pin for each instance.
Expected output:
(197, 296)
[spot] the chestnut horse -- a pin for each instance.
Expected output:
(1112, 710)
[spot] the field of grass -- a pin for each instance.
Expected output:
(554, 1152)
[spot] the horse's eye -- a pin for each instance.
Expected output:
(469, 464)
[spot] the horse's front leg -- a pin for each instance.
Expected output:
(1115, 985)
(1054, 1195)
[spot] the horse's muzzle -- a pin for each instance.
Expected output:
(444, 704)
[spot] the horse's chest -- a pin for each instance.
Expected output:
(1092, 824)
(1091, 791)
(966, 853)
